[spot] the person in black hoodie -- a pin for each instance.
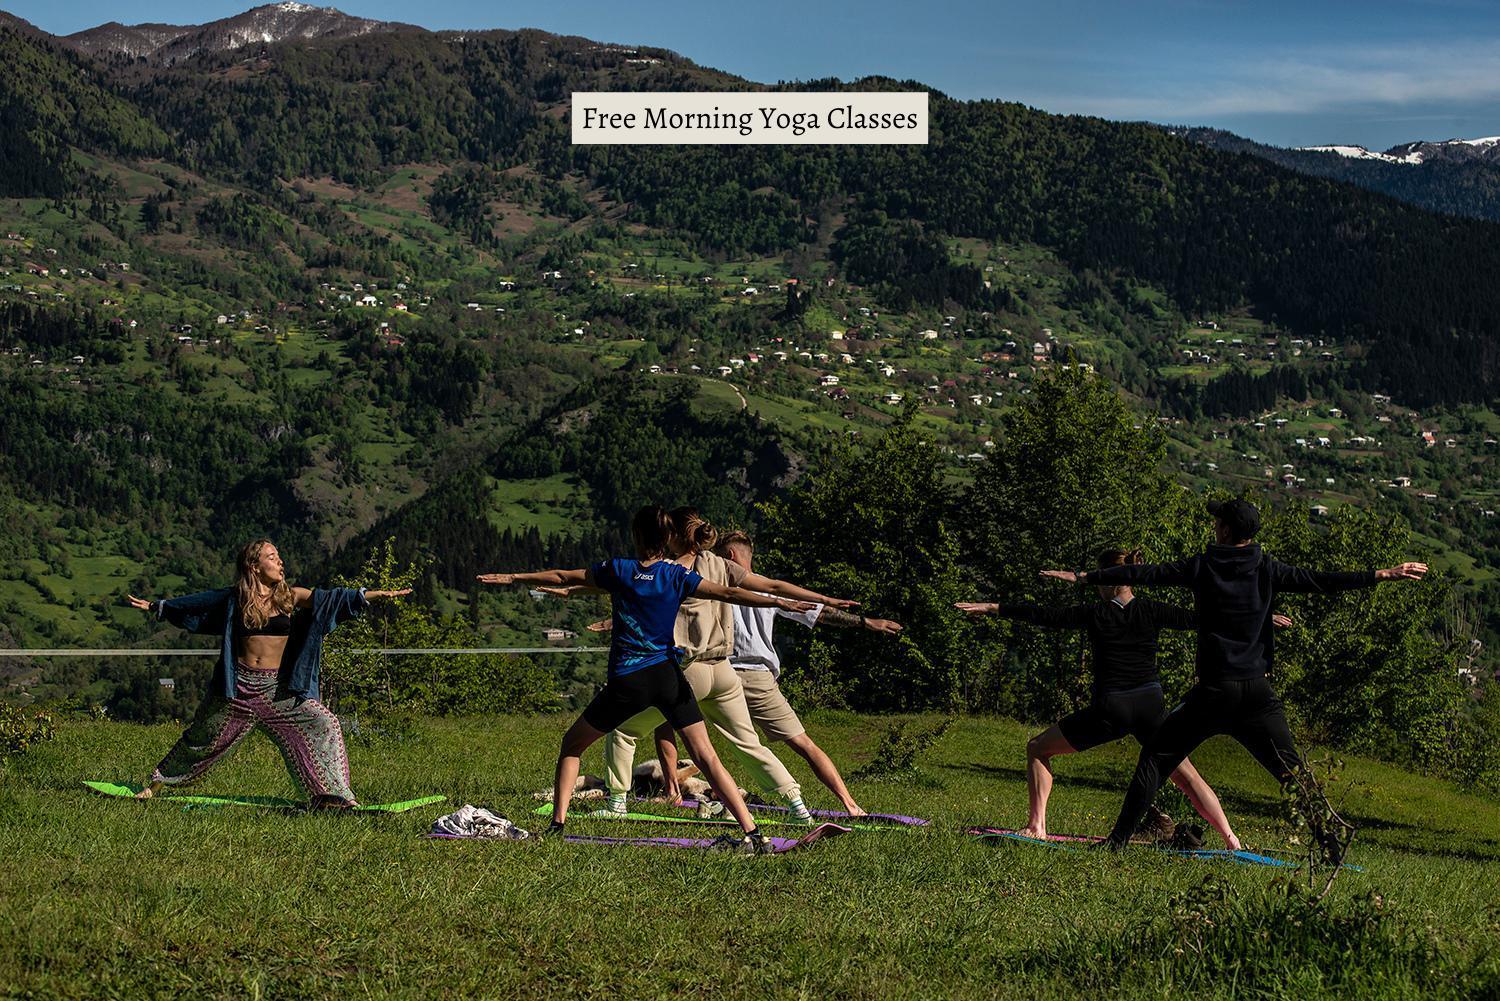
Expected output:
(1234, 585)
(1127, 696)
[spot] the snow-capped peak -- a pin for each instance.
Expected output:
(1422, 151)
(284, 21)
(1360, 153)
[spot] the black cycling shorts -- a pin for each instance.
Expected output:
(1112, 715)
(660, 686)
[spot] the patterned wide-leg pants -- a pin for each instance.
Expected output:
(304, 730)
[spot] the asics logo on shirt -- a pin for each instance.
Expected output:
(644, 576)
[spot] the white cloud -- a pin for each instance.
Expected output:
(1302, 81)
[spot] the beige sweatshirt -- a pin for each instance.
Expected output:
(705, 628)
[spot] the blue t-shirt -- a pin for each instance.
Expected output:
(645, 601)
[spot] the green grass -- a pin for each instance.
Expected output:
(105, 898)
(551, 504)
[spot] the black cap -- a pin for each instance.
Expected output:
(1239, 516)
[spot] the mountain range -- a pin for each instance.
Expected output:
(264, 25)
(1455, 176)
(1422, 151)
(354, 100)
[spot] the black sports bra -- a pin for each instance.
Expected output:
(276, 625)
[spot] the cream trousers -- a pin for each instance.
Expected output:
(717, 688)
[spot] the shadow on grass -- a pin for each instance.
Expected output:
(1240, 803)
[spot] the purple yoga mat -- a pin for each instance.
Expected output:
(778, 845)
(889, 818)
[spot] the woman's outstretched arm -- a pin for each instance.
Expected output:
(742, 596)
(568, 592)
(1046, 616)
(303, 595)
(786, 589)
(558, 578)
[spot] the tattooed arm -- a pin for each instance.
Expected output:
(830, 616)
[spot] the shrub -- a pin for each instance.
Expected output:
(896, 754)
(357, 681)
(22, 729)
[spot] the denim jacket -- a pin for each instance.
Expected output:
(213, 612)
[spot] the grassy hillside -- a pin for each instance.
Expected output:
(113, 899)
(305, 256)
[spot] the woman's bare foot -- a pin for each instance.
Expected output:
(1034, 831)
(1233, 843)
(855, 810)
(152, 788)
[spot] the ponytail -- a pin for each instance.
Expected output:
(693, 532)
(1120, 557)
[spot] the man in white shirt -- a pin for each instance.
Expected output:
(755, 660)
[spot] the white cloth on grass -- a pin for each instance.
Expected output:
(477, 822)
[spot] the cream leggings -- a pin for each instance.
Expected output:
(716, 686)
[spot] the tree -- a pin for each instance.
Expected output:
(356, 680)
(1367, 670)
(1075, 472)
(873, 526)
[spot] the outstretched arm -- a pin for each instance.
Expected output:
(560, 578)
(848, 620)
(1180, 574)
(786, 589)
(1299, 579)
(200, 612)
(372, 595)
(1047, 616)
(1165, 616)
(569, 592)
(302, 596)
(742, 596)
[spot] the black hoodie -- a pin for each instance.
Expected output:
(1234, 588)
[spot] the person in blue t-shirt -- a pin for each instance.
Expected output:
(646, 593)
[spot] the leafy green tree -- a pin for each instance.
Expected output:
(1366, 670)
(873, 526)
(1075, 472)
(359, 680)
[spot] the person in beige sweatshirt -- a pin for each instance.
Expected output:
(705, 634)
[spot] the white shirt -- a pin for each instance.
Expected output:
(753, 649)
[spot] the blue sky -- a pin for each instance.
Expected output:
(1291, 73)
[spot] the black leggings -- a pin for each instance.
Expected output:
(660, 686)
(1248, 711)
(1112, 715)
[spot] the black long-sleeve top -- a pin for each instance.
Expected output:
(1233, 588)
(1122, 636)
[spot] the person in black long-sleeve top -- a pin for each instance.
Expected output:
(1127, 695)
(1234, 584)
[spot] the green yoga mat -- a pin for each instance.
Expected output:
(666, 818)
(264, 802)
